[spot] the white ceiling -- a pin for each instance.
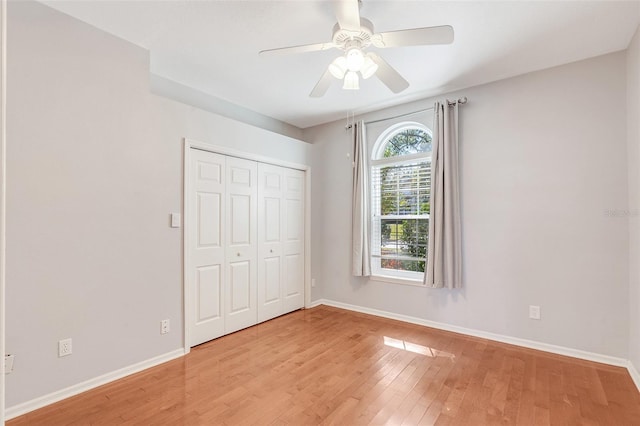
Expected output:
(213, 46)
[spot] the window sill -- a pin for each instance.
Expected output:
(396, 280)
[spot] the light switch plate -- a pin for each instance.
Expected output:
(175, 220)
(8, 363)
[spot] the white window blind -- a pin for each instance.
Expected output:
(400, 222)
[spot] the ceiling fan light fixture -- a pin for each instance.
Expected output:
(351, 81)
(368, 68)
(338, 67)
(354, 58)
(353, 35)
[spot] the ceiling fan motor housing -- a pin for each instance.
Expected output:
(361, 38)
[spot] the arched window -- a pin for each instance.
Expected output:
(401, 186)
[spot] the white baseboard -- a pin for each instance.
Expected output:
(560, 350)
(315, 303)
(34, 404)
(634, 374)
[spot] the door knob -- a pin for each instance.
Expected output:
(238, 254)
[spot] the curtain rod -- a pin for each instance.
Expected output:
(460, 101)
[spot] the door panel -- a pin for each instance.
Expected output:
(271, 219)
(241, 251)
(240, 216)
(293, 297)
(206, 249)
(207, 289)
(294, 230)
(272, 279)
(209, 226)
(270, 191)
(241, 176)
(294, 275)
(210, 171)
(240, 286)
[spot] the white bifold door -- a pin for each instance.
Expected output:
(245, 225)
(206, 218)
(280, 240)
(240, 260)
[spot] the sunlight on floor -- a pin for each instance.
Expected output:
(419, 349)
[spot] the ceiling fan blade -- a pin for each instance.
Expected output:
(297, 49)
(415, 37)
(388, 75)
(322, 85)
(348, 14)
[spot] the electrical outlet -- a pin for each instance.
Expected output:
(64, 347)
(164, 326)
(534, 312)
(313, 282)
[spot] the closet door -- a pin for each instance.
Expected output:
(206, 246)
(270, 232)
(293, 243)
(241, 244)
(245, 228)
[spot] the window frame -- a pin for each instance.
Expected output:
(377, 161)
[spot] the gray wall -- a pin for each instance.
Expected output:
(633, 129)
(94, 169)
(543, 163)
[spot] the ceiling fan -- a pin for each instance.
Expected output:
(353, 34)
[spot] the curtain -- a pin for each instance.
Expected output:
(361, 248)
(444, 254)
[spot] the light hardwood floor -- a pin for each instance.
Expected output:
(330, 366)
